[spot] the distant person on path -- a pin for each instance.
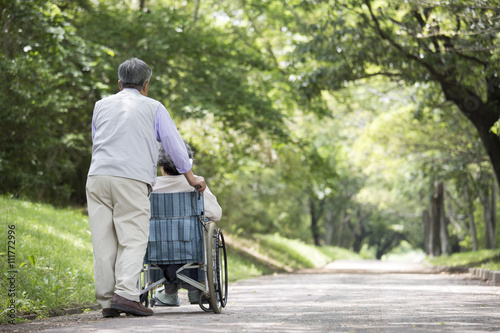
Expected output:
(125, 130)
(172, 182)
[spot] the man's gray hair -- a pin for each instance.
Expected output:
(134, 73)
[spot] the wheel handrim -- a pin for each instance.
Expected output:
(221, 268)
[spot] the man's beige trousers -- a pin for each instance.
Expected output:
(119, 213)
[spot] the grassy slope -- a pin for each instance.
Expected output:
(54, 257)
(488, 259)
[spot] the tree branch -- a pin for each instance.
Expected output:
(413, 57)
(195, 15)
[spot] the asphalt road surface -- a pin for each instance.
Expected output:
(345, 296)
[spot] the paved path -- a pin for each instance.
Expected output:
(344, 297)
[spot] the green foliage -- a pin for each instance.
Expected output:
(449, 48)
(410, 40)
(196, 72)
(46, 103)
(59, 58)
(467, 259)
(491, 266)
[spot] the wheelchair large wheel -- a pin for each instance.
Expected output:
(143, 298)
(222, 280)
(215, 269)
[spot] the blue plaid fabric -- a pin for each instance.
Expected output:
(175, 234)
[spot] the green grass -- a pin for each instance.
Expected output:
(297, 254)
(53, 258)
(490, 258)
(240, 268)
(338, 253)
(492, 266)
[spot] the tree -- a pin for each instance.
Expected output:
(59, 57)
(445, 48)
(487, 195)
(46, 67)
(402, 149)
(450, 43)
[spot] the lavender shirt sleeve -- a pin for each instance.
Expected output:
(168, 135)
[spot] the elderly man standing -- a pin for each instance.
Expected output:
(125, 130)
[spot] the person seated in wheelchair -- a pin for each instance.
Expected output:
(172, 182)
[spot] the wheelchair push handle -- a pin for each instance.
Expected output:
(197, 188)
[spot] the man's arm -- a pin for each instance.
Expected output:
(168, 135)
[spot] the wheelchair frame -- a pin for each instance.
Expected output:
(214, 267)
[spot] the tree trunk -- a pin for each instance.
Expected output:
(329, 227)
(387, 243)
(426, 224)
(488, 200)
(487, 195)
(359, 231)
(434, 239)
(472, 223)
(493, 221)
(486, 217)
(443, 221)
(483, 115)
(491, 142)
(314, 222)
(342, 241)
(195, 15)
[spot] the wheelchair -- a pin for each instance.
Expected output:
(179, 233)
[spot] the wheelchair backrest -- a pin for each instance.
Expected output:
(175, 234)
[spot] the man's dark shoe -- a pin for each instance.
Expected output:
(129, 307)
(110, 313)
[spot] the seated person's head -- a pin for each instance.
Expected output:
(166, 163)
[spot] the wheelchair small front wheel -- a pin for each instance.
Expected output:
(205, 306)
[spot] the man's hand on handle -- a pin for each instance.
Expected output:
(198, 182)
